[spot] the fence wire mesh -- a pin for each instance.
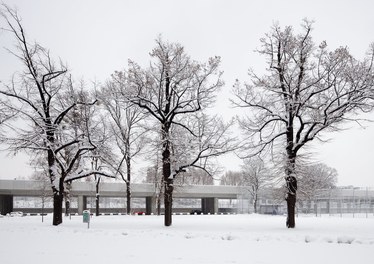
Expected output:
(354, 202)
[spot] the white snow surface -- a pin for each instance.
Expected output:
(191, 239)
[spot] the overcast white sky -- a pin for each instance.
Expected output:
(97, 37)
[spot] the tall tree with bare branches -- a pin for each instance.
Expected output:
(175, 91)
(315, 179)
(127, 125)
(256, 177)
(44, 100)
(307, 91)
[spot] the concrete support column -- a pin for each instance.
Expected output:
(150, 205)
(82, 204)
(316, 208)
(209, 205)
(339, 207)
(6, 204)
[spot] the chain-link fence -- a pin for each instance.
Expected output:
(354, 202)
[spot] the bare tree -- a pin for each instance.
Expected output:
(75, 125)
(174, 91)
(315, 178)
(194, 176)
(39, 96)
(126, 125)
(44, 188)
(98, 161)
(256, 177)
(154, 176)
(307, 91)
(234, 178)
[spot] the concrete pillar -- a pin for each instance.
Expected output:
(339, 207)
(209, 205)
(150, 205)
(315, 208)
(82, 204)
(6, 204)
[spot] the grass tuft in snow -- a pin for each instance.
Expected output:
(228, 237)
(345, 240)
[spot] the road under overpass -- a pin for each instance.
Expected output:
(343, 199)
(209, 195)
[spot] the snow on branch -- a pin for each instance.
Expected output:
(85, 174)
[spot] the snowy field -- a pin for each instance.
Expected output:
(192, 239)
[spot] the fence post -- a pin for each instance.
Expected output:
(354, 206)
(367, 202)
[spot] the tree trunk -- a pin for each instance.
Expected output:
(97, 205)
(291, 202)
(255, 203)
(159, 204)
(291, 184)
(58, 199)
(128, 186)
(43, 210)
(168, 197)
(168, 194)
(128, 198)
(58, 191)
(67, 208)
(166, 174)
(97, 199)
(168, 180)
(67, 198)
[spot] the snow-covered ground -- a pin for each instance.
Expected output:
(192, 239)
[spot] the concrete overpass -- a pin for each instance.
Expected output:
(209, 195)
